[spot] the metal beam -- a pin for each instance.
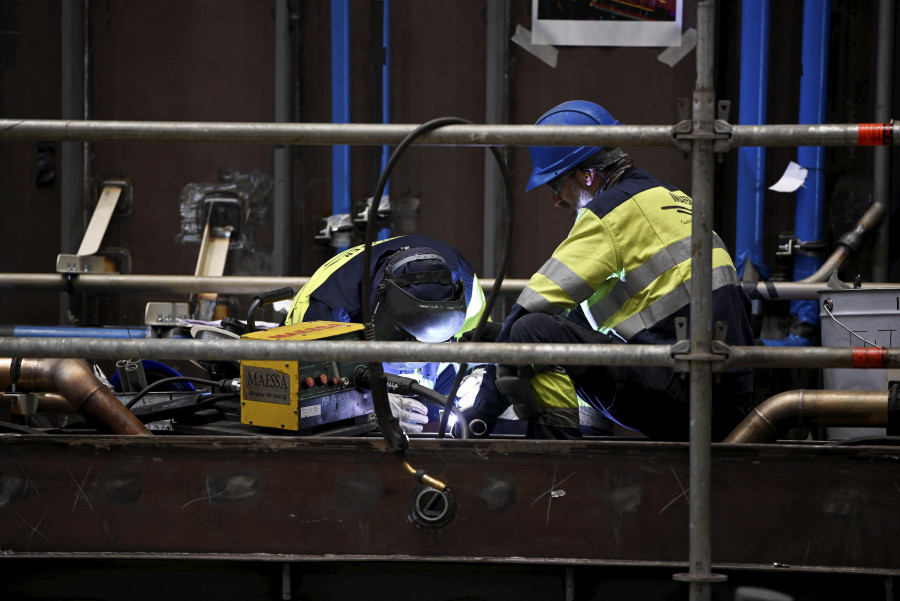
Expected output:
(290, 498)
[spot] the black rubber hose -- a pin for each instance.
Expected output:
(408, 385)
(390, 427)
(159, 383)
(394, 436)
(492, 298)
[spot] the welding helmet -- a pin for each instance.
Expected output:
(548, 162)
(417, 298)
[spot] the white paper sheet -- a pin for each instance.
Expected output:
(794, 177)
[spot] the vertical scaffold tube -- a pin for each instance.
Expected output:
(703, 165)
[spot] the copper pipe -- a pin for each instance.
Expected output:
(849, 243)
(812, 408)
(75, 380)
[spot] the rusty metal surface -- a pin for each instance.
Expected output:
(807, 507)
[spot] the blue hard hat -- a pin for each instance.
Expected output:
(548, 162)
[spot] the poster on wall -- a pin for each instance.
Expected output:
(606, 22)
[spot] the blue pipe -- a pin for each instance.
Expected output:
(74, 332)
(340, 106)
(810, 204)
(751, 173)
(385, 233)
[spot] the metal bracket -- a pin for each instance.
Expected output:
(681, 348)
(126, 198)
(788, 246)
(74, 263)
(224, 214)
(22, 403)
(721, 135)
(682, 128)
(715, 136)
(363, 210)
(334, 230)
(721, 331)
(681, 351)
(89, 259)
(165, 314)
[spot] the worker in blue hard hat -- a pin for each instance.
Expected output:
(421, 289)
(621, 276)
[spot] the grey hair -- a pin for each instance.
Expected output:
(603, 158)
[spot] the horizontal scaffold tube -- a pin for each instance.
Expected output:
(815, 135)
(312, 134)
(188, 284)
(472, 353)
(182, 284)
(323, 134)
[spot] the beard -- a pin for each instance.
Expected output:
(584, 197)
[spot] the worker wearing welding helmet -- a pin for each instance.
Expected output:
(421, 289)
(621, 276)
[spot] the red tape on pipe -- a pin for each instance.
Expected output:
(869, 358)
(875, 134)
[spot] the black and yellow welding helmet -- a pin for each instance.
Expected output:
(417, 298)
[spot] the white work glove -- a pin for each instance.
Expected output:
(468, 388)
(413, 414)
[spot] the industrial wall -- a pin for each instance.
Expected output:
(214, 60)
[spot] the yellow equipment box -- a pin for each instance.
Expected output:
(304, 395)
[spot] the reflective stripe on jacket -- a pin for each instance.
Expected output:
(626, 261)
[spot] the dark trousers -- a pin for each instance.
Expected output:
(652, 400)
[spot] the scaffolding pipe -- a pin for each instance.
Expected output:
(722, 359)
(317, 350)
(809, 357)
(862, 134)
(327, 134)
(181, 284)
(796, 408)
(188, 284)
(699, 576)
(884, 94)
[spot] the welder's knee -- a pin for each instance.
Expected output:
(547, 397)
(534, 327)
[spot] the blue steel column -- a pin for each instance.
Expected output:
(340, 107)
(809, 209)
(751, 173)
(385, 106)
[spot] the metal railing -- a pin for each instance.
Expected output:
(720, 357)
(725, 135)
(250, 285)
